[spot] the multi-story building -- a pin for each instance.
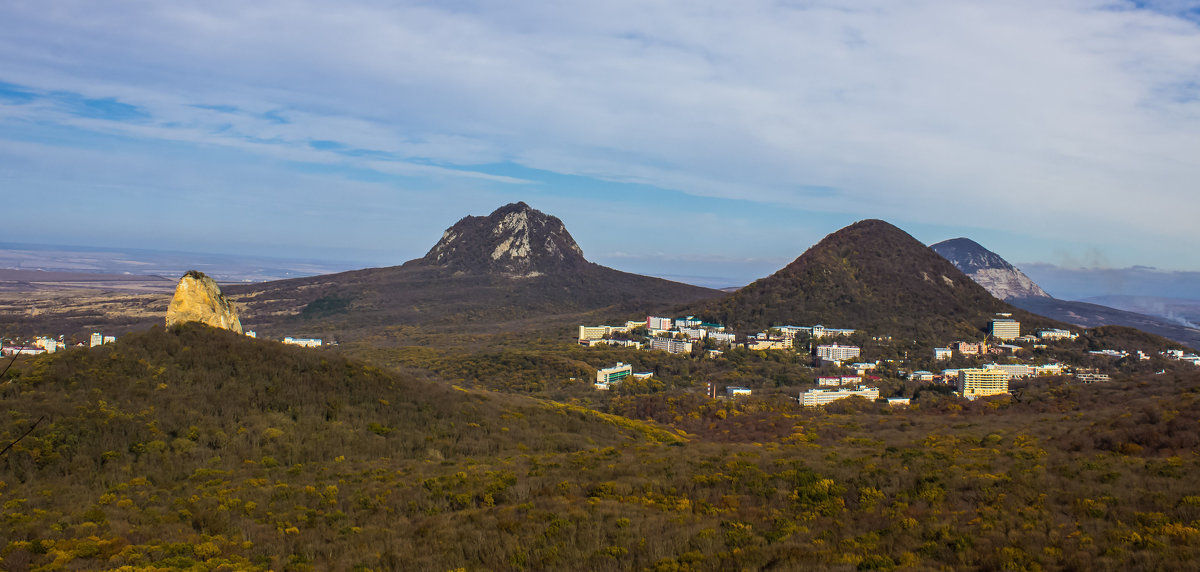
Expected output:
(1005, 329)
(815, 397)
(613, 374)
(9, 351)
(1012, 369)
(942, 353)
(694, 334)
(974, 383)
(818, 331)
(656, 323)
(835, 352)
(722, 337)
(769, 343)
(837, 380)
(671, 346)
(593, 332)
(303, 342)
(969, 348)
(49, 344)
(736, 391)
(862, 367)
(96, 339)
(618, 343)
(1056, 335)
(922, 375)
(1048, 369)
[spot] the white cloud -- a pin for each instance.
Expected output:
(1056, 117)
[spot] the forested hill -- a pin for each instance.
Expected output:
(870, 276)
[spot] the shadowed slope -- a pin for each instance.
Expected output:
(873, 276)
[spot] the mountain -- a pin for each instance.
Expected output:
(515, 269)
(515, 239)
(871, 276)
(988, 269)
(1005, 281)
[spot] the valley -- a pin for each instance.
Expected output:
(452, 420)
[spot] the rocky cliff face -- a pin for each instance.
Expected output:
(515, 239)
(988, 269)
(199, 299)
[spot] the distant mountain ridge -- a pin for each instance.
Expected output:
(1007, 282)
(870, 275)
(988, 269)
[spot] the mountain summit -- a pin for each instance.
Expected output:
(515, 239)
(988, 269)
(871, 276)
(511, 270)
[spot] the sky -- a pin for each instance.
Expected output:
(711, 142)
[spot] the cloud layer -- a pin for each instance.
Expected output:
(1047, 120)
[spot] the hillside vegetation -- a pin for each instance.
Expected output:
(191, 448)
(872, 276)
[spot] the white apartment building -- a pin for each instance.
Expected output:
(1012, 369)
(835, 352)
(1005, 329)
(656, 323)
(1056, 335)
(671, 346)
(815, 397)
(303, 342)
(974, 383)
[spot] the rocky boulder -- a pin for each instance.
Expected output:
(199, 299)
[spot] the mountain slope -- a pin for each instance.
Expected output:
(513, 269)
(873, 276)
(1005, 281)
(988, 269)
(1094, 315)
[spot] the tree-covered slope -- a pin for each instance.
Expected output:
(869, 276)
(203, 450)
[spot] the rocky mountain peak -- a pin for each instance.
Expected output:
(198, 298)
(988, 269)
(515, 239)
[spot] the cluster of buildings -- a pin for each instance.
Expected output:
(1003, 329)
(1179, 355)
(676, 336)
(679, 335)
(49, 345)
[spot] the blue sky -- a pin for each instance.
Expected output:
(708, 140)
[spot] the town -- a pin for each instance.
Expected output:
(50, 344)
(842, 369)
